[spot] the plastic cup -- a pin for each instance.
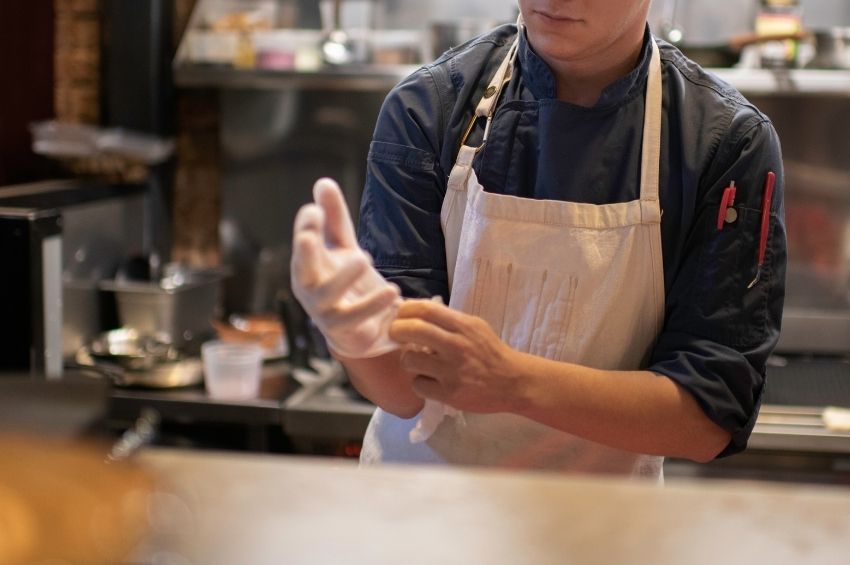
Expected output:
(232, 370)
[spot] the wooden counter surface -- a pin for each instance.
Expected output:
(222, 508)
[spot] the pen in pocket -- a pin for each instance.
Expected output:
(727, 214)
(767, 199)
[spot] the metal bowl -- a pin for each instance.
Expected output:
(128, 358)
(131, 350)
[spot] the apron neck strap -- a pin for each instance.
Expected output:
(651, 150)
(487, 105)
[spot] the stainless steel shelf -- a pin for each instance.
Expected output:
(384, 77)
(787, 82)
(349, 78)
(796, 429)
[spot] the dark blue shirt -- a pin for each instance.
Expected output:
(717, 334)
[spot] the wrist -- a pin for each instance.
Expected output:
(521, 368)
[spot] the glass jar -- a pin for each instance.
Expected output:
(782, 19)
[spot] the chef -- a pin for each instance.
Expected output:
(571, 253)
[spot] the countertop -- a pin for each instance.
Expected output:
(215, 508)
(323, 407)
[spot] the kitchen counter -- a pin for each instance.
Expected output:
(193, 408)
(216, 508)
(194, 404)
(323, 414)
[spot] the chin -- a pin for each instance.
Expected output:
(557, 47)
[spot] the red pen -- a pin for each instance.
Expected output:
(726, 213)
(767, 199)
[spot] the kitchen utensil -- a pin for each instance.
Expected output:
(232, 371)
(300, 339)
(337, 48)
(728, 54)
(179, 306)
(832, 49)
(264, 330)
(130, 359)
(131, 350)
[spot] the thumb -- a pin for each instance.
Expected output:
(339, 230)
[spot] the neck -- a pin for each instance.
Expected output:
(582, 80)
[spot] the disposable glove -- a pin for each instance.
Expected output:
(333, 278)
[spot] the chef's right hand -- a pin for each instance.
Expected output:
(333, 278)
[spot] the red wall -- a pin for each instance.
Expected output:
(26, 85)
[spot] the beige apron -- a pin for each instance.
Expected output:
(575, 282)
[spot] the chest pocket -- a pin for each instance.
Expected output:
(530, 309)
(728, 263)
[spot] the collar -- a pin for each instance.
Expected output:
(539, 79)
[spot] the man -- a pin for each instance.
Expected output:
(589, 202)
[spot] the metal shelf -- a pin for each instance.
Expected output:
(354, 77)
(384, 77)
(787, 81)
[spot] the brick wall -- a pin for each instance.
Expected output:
(77, 60)
(196, 201)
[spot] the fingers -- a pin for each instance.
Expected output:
(350, 269)
(422, 333)
(433, 312)
(356, 313)
(306, 258)
(429, 323)
(339, 229)
(310, 217)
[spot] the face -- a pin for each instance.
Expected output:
(572, 30)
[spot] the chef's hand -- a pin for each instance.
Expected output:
(457, 358)
(333, 278)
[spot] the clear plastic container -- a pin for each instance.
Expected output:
(232, 371)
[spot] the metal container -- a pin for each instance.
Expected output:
(181, 312)
(444, 35)
(832, 49)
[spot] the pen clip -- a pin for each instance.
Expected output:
(727, 200)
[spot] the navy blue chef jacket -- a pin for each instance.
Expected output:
(717, 334)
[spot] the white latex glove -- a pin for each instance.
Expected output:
(432, 415)
(333, 278)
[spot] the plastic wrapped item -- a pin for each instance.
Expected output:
(238, 15)
(58, 139)
(139, 147)
(62, 140)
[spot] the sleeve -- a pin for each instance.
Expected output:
(719, 332)
(400, 210)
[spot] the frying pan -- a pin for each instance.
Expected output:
(129, 359)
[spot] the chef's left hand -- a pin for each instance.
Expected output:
(457, 358)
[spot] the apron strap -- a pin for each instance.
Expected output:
(651, 150)
(487, 105)
(462, 168)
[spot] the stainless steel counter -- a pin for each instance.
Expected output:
(324, 410)
(798, 429)
(213, 508)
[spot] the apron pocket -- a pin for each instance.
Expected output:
(529, 309)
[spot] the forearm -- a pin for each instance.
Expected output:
(382, 381)
(638, 411)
